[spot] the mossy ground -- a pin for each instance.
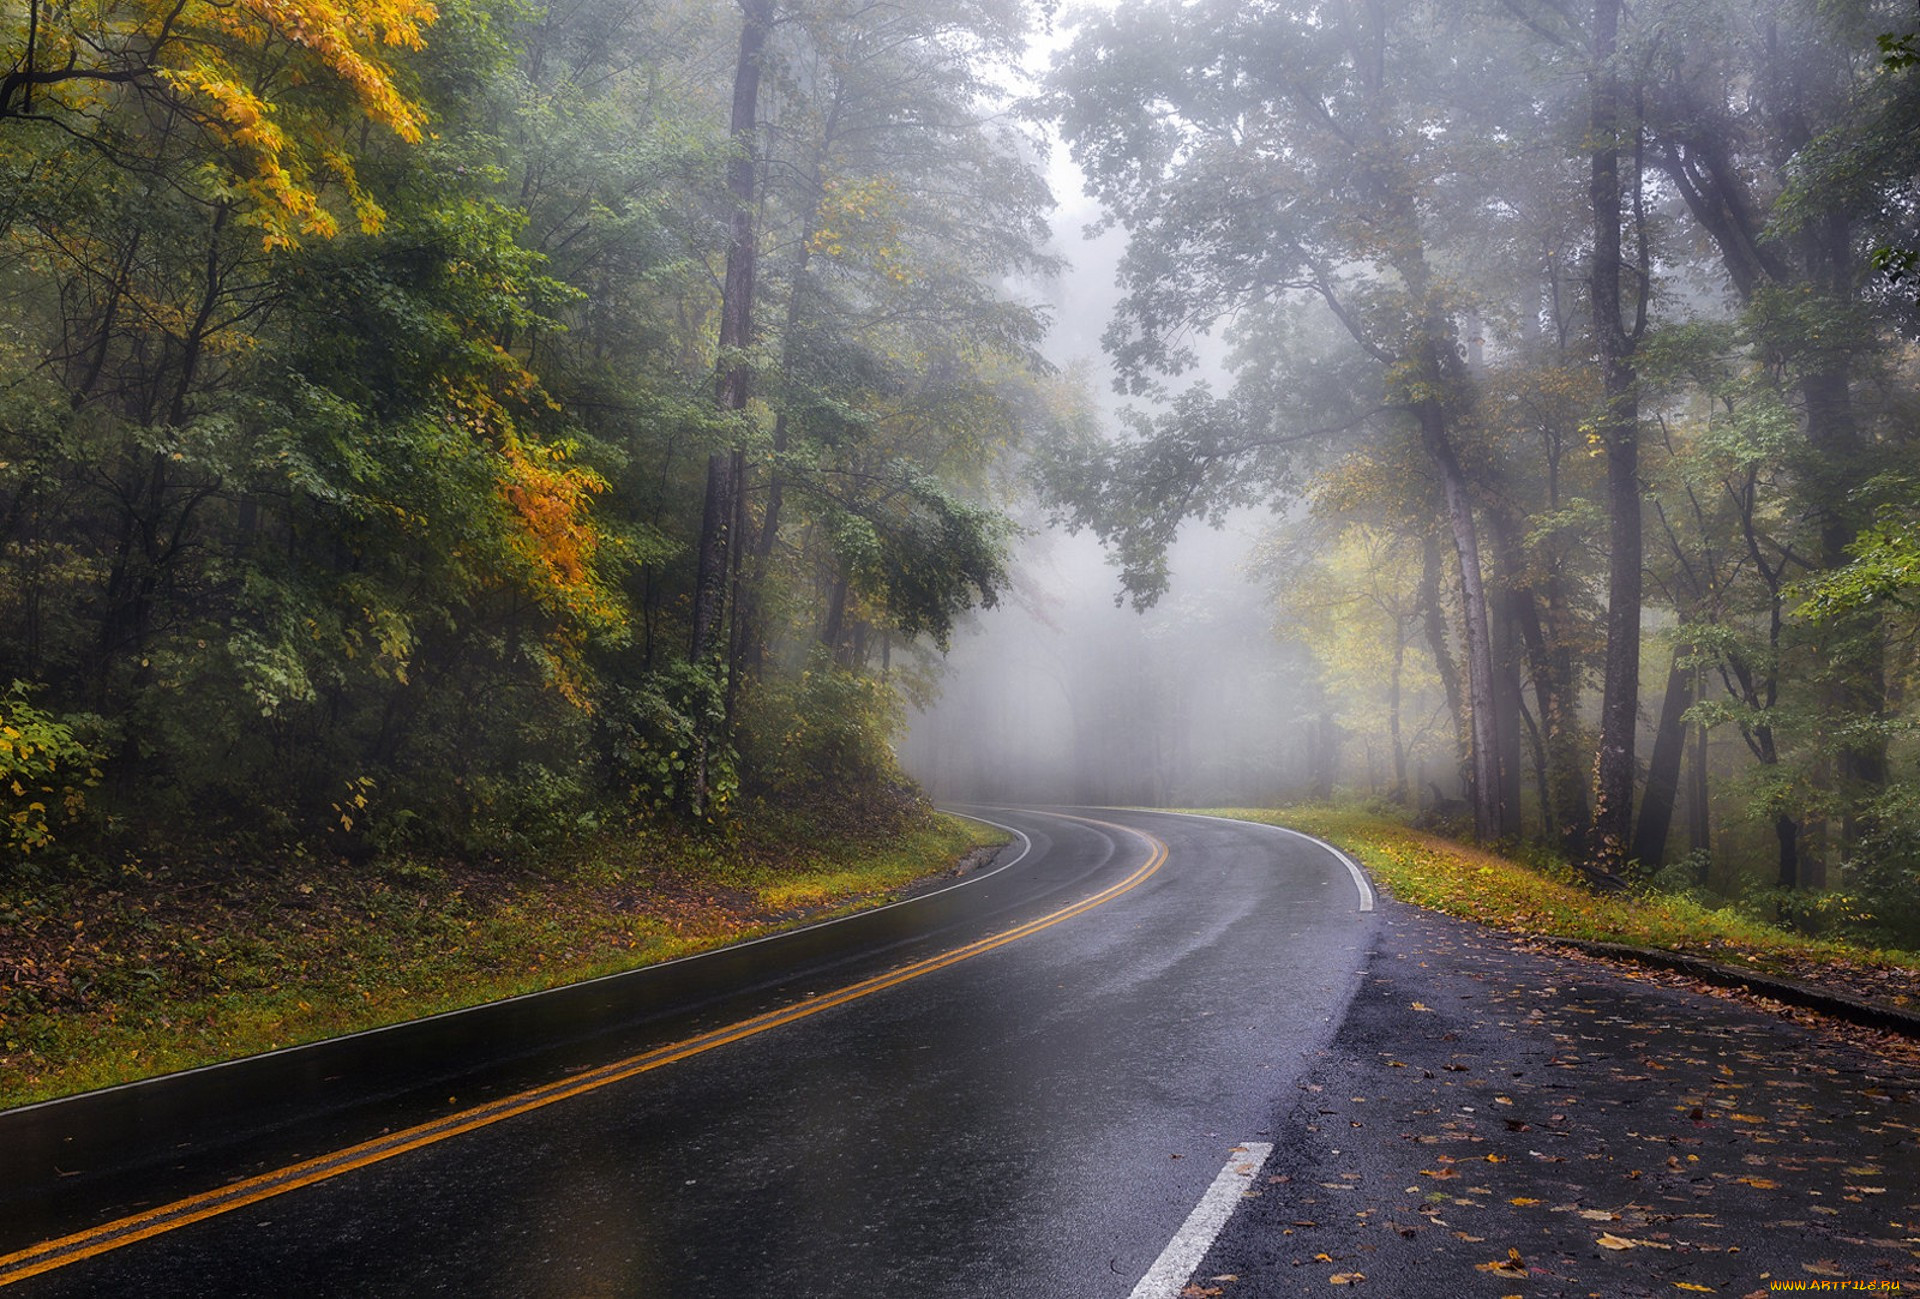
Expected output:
(113, 973)
(1461, 880)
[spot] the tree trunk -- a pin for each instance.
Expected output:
(1787, 832)
(1563, 775)
(833, 626)
(1663, 769)
(1619, 435)
(1858, 688)
(1506, 682)
(725, 469)
(1434, 618)
(1483, 716)
(1399, 792)
(1699, 811)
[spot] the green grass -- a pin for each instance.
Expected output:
(1460, 880)
(110, 975)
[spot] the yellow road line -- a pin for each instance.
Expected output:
(48, 1255)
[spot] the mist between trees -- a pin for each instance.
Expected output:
(1579, 341)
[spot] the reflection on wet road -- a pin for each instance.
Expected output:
(1037, 1118)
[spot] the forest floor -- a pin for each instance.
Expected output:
(113, 973)
(1444, 875)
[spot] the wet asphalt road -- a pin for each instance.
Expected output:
(1035, 1120)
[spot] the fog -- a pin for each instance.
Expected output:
(1063, 694)
(1061, 697)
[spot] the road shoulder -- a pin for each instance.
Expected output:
(1492, 1116)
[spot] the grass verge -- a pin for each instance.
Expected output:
(110, 974)
(1461, 880)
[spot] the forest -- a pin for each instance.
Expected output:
(464, 427)
(457, 426)
(1576, 345)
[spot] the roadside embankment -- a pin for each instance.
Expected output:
(114, 973)
(1872, 987)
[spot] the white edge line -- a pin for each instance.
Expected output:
(1026, 847)
(1168, 1275)
(1353, 867)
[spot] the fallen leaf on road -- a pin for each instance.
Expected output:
(1610, 1241)
(1511, 1265)
(1523, 1200)
(1342, 1278)
(1688, 1285)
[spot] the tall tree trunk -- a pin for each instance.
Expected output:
(750, 634)
(1399, 792)
(833, 626)
(1483, 716)
(1507, 701)
(1563, 773)
(725, 469)
(1434, 618)
(1619, 434)
(1663, 769)
(1857, 684)
(1787, 832)
(1699, 823)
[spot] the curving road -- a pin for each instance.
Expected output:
(1020, 1085)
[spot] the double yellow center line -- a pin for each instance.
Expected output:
(48, 1255)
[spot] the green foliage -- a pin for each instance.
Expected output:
(647, 733)
(822, 739)
(920, 552)
(1879, 883)
(411, 499)
(45, 772)
(1883, 568)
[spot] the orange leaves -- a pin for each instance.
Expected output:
(550, 501)
(1511, 1265)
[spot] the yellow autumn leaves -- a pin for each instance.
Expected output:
(274, 84)
(863, 214)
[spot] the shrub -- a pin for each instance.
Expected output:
(45, 771)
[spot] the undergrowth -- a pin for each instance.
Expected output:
(1542, 898)
(114, 973)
